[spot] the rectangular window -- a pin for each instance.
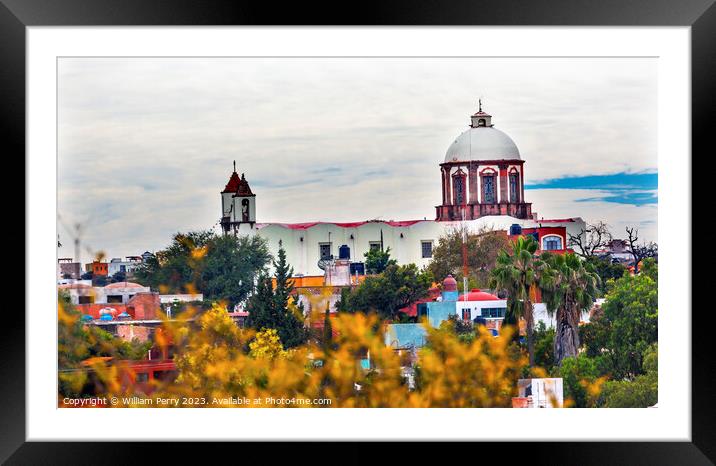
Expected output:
(493, 312)
(324, 250)
(374, 245)
(85, 299)
(114, 298)
(142, 377)
(422, 310)
(426, 248)
(466, 314)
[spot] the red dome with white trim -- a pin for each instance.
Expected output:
(478, 295)
(449, 284)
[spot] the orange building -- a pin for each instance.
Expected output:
(97, 268)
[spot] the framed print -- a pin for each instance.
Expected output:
(437, 220)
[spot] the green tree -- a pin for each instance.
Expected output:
(177, 268)
(397, 287)
(230, 267)
(342, 303)
(577, 373)
(544, 345)
(272, 307)
(606, 270)
(100, 280)
(641, 392)
(483, 246)
(222, 267)
(377, 260)
(327, 329)
(119, 277)
(569, 287)
(517, 272)
(627, 323)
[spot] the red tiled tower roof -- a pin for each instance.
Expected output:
(243, 188)
(233, 185)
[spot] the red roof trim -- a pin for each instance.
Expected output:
(556, 220)
(307, 225)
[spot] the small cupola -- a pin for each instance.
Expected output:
(480, 119)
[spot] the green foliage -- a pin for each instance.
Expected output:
(577, 374)
(544, 345)
(517, 272)
(483, 247)
(377, 260)
(119, 277)
(342, 303)
(397, 287)
(465, 330)
(78, 342)
(627, 323)
(606, 270)
(327, 330)
(569, 287)
(100, 280)
(222, 267)
(641, 392)
(272, 308)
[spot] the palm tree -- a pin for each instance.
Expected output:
(569, 287)
(517, 272)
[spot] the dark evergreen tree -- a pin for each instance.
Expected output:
(270, 306)
(262, 313)
(327, 329)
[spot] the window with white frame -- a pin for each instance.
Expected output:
(324, 250)
(552, 243)
(426, 249)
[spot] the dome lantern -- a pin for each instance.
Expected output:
(480, 119)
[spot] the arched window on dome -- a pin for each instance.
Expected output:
(488, 180)
(481, 122)
(514, 186)
(459, 187)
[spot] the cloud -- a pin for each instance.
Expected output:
(623, 188)
(146, 144)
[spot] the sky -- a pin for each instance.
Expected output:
(145, 145)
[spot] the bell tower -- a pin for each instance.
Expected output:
(238, 204)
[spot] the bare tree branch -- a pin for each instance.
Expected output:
(640, 251)
(591, 239)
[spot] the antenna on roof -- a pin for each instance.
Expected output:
(479, 104)
(234, 165)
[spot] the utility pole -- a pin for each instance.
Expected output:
(464, 255)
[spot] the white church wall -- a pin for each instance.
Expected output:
(304, 255)
(226, 203)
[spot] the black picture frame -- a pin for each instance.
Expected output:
(700, 15)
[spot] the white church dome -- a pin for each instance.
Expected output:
(482, 142)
